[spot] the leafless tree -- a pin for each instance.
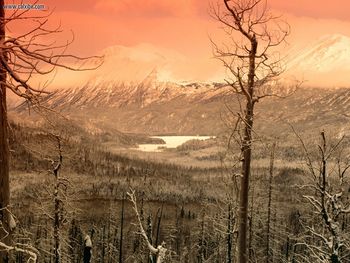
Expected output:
(57, 199)
(23, 56)
(225, 224)
(327, 193)
(54, 200)
(268, 234)
(26, 249)
(249, 57)
(160, 251)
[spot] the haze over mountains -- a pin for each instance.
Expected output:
(323, 63)
(149, 90)
(133, 64)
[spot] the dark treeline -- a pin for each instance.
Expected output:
(85, 156)
(192, 209)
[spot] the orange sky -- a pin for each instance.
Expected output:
(182, 25)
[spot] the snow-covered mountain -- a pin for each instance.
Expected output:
(324, 63)
(131, 65)
(112, 94)
(194, 109)
(140, 90)
(144, 74)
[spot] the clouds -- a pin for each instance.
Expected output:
(321, 9)
(148, 8)
(182, 25)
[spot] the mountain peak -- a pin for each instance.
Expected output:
(325, 62)
(326, 52)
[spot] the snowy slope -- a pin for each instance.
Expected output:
(324, 63)
(131, 65)
(144, 74)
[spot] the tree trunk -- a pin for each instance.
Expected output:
(4, 147)
(247, 154)
(229, 235)
(244, 190)
(56, 227)
(251, 224)
(158, 225)
(268, 236)
(121, 232)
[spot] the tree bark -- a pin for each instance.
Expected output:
(57, 221)
(268, 236)
(121, 232)
(247, 154)
(229, 235)
(4, 147)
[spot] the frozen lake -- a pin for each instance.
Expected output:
(170, 142)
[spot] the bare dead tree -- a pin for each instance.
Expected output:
(53, 201)
(327, 193)
(121, 255)
(229, 235)
(224, 221)
(160, 251)
(249, 57)
(4, 147)
(30, 251)
(25, 249)
(57, 200)
(268, 234)
(22, 57)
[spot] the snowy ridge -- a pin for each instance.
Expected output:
(325, 63)
(116, 94)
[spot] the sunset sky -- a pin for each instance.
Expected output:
(182, 26)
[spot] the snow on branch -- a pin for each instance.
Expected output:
(21, 248)
(160, 251)
(328, 198)
(28, 251)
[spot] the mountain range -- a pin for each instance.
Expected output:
(322, 63)
(152, 104)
